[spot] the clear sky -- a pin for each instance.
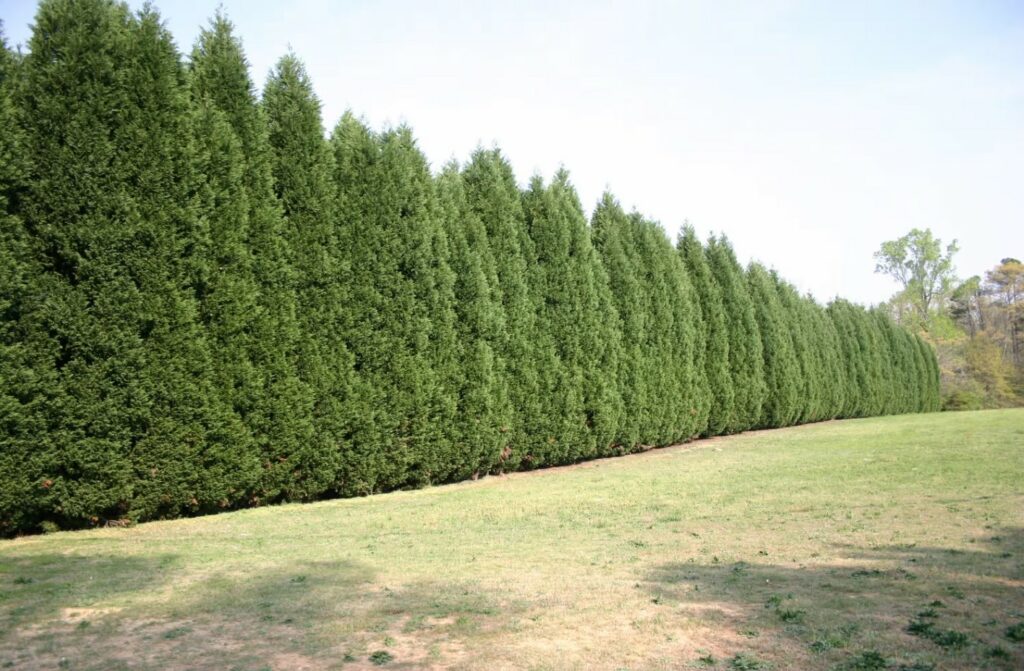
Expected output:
(808, 132)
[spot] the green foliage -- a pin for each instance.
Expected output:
(714, 332)
(277, 405)
(132, 424)
(27, 351)
(399, 322)
(484, 412)
(493, 196)
(614, 239)
(302, 166)
(675, 364)
(205, 304)
(577, 332)
(782, 373)
(746, 362)
(924, 271)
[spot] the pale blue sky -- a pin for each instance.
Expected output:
(808, 132)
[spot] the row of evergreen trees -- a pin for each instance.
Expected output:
(205, 304)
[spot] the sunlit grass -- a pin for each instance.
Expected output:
(817, 547)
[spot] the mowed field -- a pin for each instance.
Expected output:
(895, 542)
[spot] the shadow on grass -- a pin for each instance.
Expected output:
(308, 615)
(888, 607)
(39, 586)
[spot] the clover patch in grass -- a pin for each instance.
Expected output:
(381, 657)
(177, 632)
(791, 615)
(946, 638)
(745, 662)
(870, 660)
(866, 573)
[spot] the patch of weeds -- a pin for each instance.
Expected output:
(707, 660)
(946, 638)
(936, 604)
(177, 632)
(739, 568)
(919, 628)
(388, 641)
(299, 579)
(955, 592)
(916, 666)
(791, 615)
(750, 633)
(871, 660)
(840, 638)
(745, 662)
(928, 613)
(638, 544)
(866, 573)
(84, 624)
(381, 657)
(997, 652)
(415, 622)
(347, 658)
(950, 639)
(1005, 555)
(1015, 632)
(21, 580)
(775, 600)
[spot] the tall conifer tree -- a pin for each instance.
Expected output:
(576, 318)
(799, 325)
(614, 240)
(109, 199)
(302, 166)
(673, 365)
(492, 195)
(781, 368)
(400, 324)
(746, 362)
(279, 411)
(484, 411)
(27, 367)
(714, 334)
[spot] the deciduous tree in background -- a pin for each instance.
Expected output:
(924, 270)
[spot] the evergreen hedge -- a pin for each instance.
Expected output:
(207, 304)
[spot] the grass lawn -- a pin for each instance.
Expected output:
(892, 543)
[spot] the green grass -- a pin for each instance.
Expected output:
(828, 541)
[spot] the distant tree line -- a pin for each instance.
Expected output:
(975, 325)
(205, 304)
